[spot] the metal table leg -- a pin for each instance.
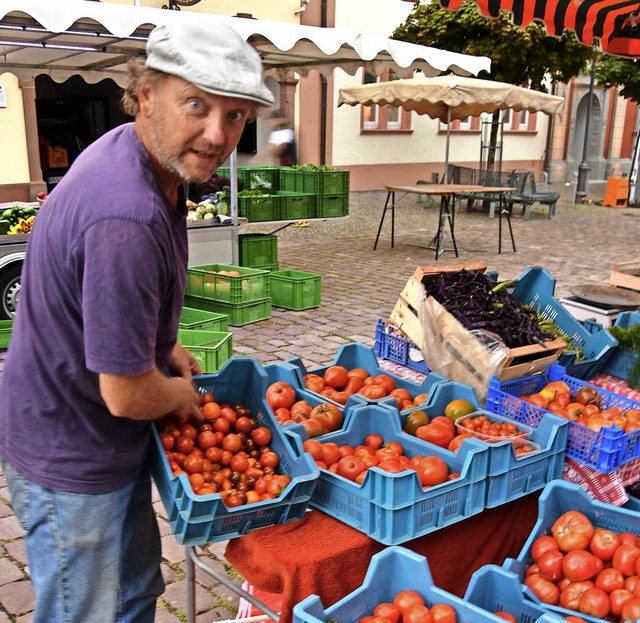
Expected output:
(390, 195)
(504, 210)
(192, 561)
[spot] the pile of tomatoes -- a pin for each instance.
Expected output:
(226, 453)
(409, 606)
(352, 462)
(483, 425)
(283, 400)
(338, 383)
(583, 407)
(592, 570)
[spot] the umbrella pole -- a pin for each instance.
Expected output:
(446, 149)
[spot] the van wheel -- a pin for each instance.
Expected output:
(9, 291)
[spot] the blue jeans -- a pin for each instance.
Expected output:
(92, 558)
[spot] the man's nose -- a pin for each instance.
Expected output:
(214, 128)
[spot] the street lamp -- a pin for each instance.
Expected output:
(583, 167)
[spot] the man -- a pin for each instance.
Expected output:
(281, 147)
(95, 336)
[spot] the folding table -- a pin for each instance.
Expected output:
(448, 194)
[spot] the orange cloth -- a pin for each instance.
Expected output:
(320, 555)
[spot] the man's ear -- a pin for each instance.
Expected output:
(144, 98)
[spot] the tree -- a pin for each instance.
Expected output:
(613, 71)
(522, 56)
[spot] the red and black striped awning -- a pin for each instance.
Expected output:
(615, 23)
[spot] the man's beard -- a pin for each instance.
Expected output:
(174, 164)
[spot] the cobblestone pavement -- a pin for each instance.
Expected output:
(359, 286)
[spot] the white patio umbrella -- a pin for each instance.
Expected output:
(450, 97)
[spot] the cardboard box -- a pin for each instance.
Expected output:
(626, 275)
(57, 158)
(471, 359)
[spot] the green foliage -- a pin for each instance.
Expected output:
(613, 71)
(521, 56)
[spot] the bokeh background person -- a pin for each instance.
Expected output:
(281, 148)
(94, 357)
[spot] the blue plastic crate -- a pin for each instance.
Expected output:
(535, 288)
(604, 450)
(392, 570)
(199, 519)
(495, 589)
(557, 498)
(622, 360)
(397, 349)
(509, 476)
(394, 508)
(357, 355)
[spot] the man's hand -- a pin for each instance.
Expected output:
(183, 363)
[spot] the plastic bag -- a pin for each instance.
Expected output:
(450, 349)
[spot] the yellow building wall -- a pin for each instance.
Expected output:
(279, 11)
(14, 161)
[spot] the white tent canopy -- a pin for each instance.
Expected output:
(95, 39)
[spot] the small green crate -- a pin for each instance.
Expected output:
(258, 251)
(259, 208)
(249, 176)
(206, 281)
(203, 320)
(293, 289)
(328, 206)
(6, 327)
(210, 348)
(335, 182)
(296, 205)
(239, 315)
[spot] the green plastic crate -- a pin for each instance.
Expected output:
(259, 208)
(332, 205)
(248, 176)
(210, 348)
(258, 251)
(296, 205)
(293, 289)
(206, 281)
(239, 315)
(334, 182)
(203, 320)
(6, 327)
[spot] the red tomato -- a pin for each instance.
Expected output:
(329, 416)
(187, 430)
(313, 427)
(609, 580)
(388, 610)
(211, 410)
(432, 471)
(373, 441)
(280, 394)
(385, 381)
(624, 559)
(232, 443)
(405, 599)
(336, 376)
(542, 544)
(374, 392)
(417, 613)
(550, 563)
(269, 459)
(594, 602)
(617, 599)
(184, 444)
(261, 436)
(301, 406)
(436, 434)
(349, 467)
(359, 372)
(578, 565)
(394, 446)
(547, 592)
(353, 385)
(330, 452)
(313, 382)
(570, 596)
(604, 543)
(192, 464)
(572, 530)
(630, 611)
(206, 397)
(167, 441)
(443, 613)
(207, 439)
(573, 619)
(506, 616)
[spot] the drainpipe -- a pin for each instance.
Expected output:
(323, 96)
(550, 126)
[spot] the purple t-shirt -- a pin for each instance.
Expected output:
(102, 291)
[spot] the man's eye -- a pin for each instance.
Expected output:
(237, 115)
(195, 104)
